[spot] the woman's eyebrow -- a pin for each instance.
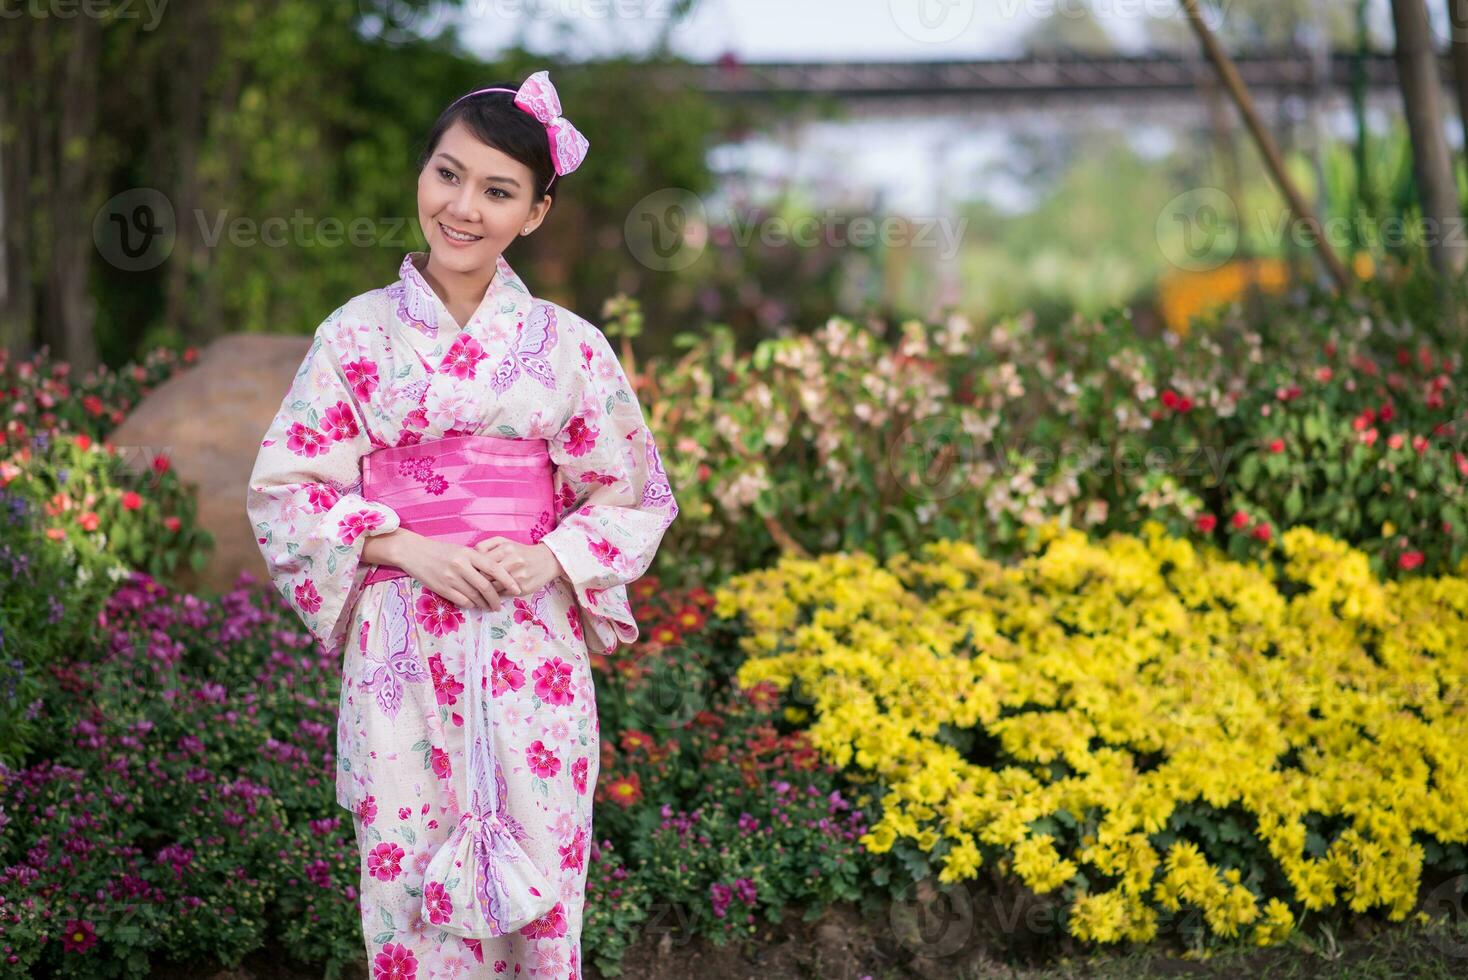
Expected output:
(501, 180)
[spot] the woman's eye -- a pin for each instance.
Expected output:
(497, 190)
(445, 173)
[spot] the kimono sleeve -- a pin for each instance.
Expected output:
(610, 481)
(309, 521)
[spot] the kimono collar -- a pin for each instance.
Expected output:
(421, 308)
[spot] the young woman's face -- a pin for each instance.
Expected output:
(471, 188)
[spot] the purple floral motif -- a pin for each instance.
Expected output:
(420, 468)
(533, 340)
(415, 306)
(399, 662)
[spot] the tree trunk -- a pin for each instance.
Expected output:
(1417, 69)
(69, 297)
(18, 133)
(1458, 21)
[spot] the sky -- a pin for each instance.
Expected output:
(911, 165)
(817, 30)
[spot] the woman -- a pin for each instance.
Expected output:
(455, 493)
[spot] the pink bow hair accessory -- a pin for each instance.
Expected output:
(538, 97)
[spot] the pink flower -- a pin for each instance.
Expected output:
(441, 764)
(573, 852)
(1410, 559)
(339, 423)
(307, 598)
(354, 525)
(542, 761)
(362, 376)
(395, 962)
(462, 357)
(438, 903)
(305, 441)
(445, 685)
(553, 682)
(605, 552)
(1205, 523)
(321, 497)
(131, 500)
(578, 774)
(504, 674)
(436, 614)
(384, 861)
(552, 925)
(580, 437)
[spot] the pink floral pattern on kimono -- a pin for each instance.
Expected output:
(392, 368)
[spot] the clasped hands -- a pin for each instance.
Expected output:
(466, 576)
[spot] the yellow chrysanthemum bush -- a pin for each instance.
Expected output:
(1136, 728)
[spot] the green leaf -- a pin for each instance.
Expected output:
(1294, 503)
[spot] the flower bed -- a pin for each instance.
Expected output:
(856, 438)
(1137, 727)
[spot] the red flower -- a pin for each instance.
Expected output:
(1240, 520)
(1410, 559)
(88, 520)
(172, 523)
(160, 464)
(1261, 531)
(92, 404)
(1169, 398)
(1387, 412)
(1395, 440)
(1277, 445)
(131, 500)
(1324, 374)
(84, 442)
(1206, 523)
(625, 791)
(78, 936)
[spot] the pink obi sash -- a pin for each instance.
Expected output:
(463, 489)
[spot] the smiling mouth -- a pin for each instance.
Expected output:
(456, 235)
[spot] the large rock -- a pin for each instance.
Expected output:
(210, 419)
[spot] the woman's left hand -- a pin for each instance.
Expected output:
(532, 565)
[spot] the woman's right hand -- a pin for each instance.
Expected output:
(462, 575)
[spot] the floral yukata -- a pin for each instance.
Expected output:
(392, 368)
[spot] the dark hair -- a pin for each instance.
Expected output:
(494, 119)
